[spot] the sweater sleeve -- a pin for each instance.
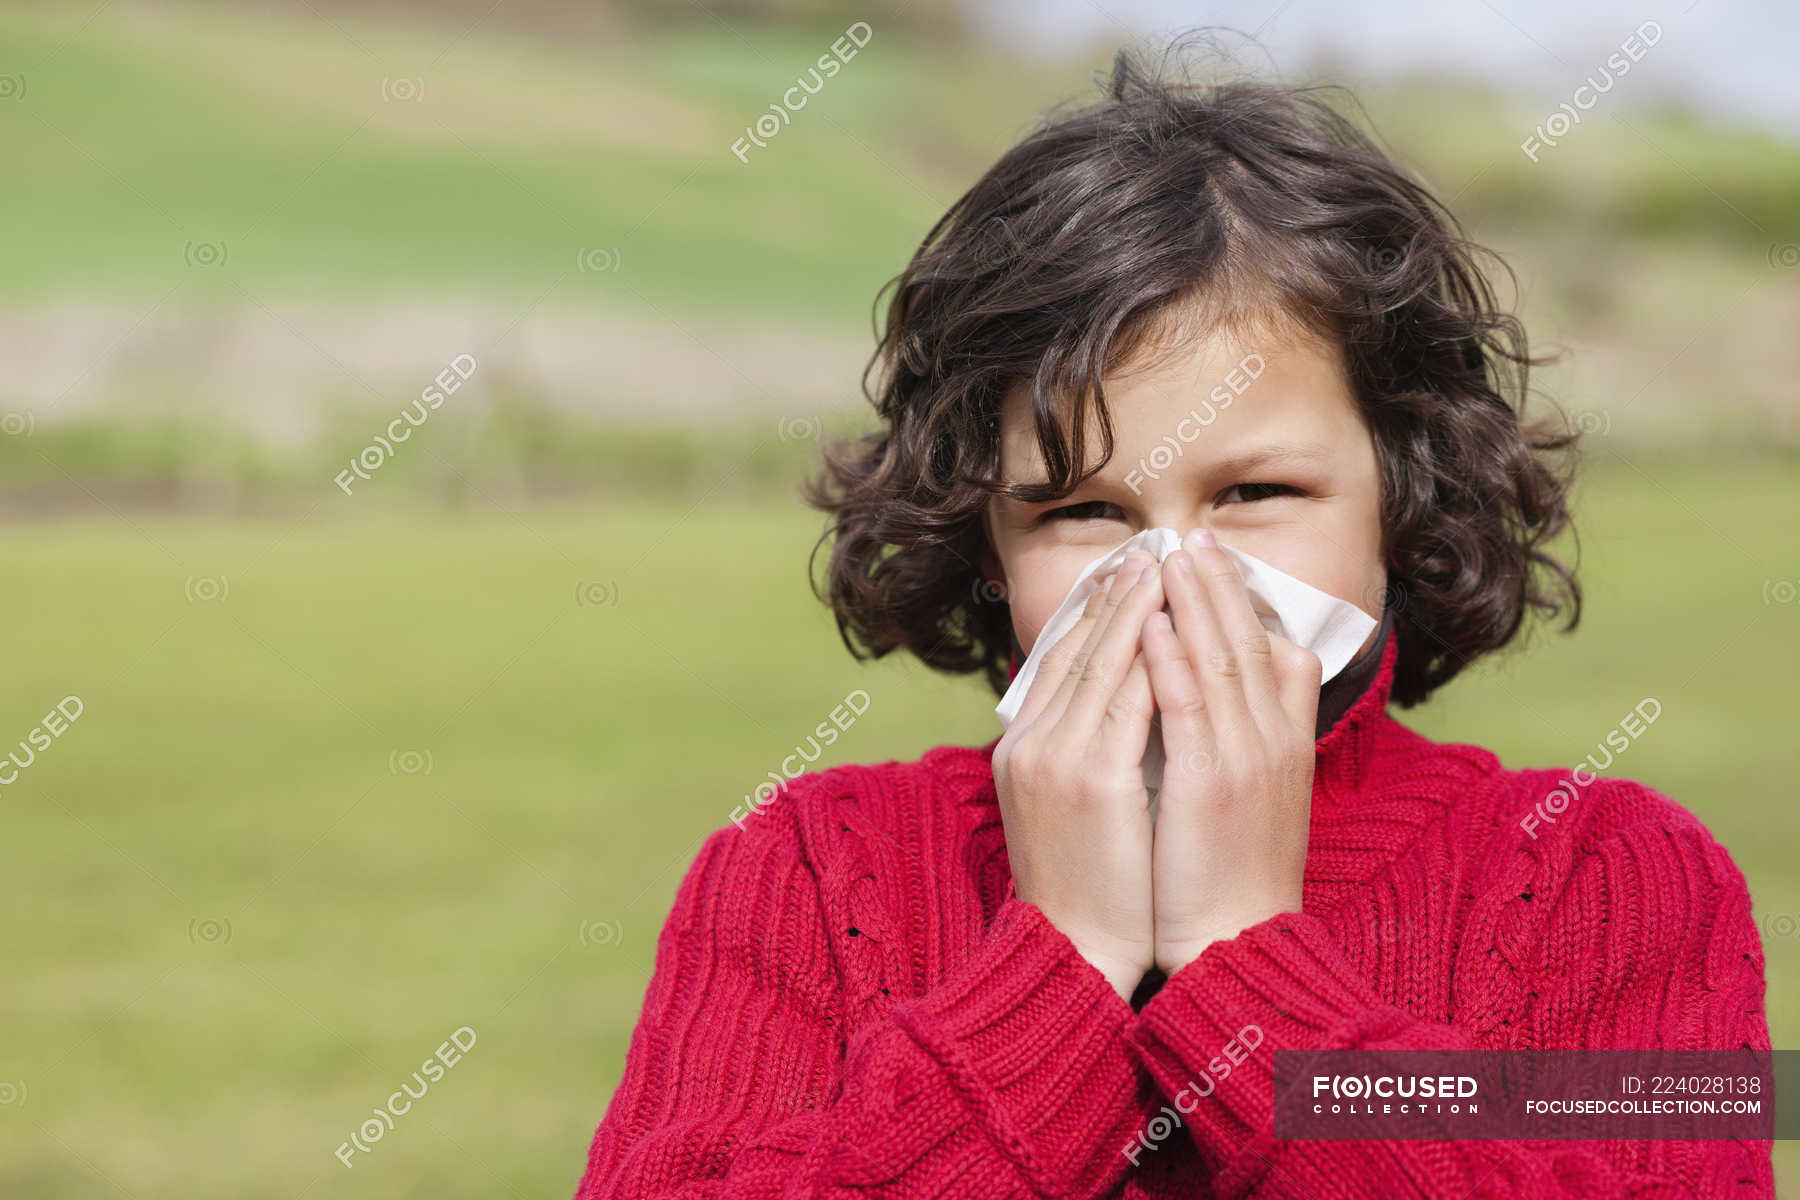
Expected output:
(1646, 941)
(1012, 1077)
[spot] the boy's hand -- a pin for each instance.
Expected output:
(1069, 776)
(1237, 709)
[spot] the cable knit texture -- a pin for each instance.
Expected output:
(849, 1000)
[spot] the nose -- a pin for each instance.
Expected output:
(1182, 520)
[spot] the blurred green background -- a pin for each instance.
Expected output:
(355, 770)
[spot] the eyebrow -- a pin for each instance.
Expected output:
(1275, 452)
(1268, 454)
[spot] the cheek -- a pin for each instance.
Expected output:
(1340, 565)
(1038, 591)
(1031, 612)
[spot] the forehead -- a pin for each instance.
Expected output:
(1217, 392)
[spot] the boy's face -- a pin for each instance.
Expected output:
(1273, 459)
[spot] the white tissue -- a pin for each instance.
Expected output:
(1331, 628)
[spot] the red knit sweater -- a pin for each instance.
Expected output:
(849, 1000)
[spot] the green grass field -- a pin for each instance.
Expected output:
(327, 803)
(347, 780)
(172, 151)
(505, 161)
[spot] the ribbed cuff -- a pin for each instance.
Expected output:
(1282, 984)
(1037, 1042)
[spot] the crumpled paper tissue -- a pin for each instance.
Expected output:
(1331, 628)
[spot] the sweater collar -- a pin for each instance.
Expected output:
(1343, 751)
(1352, 679)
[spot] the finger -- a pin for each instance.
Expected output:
(1112, 656)
(1057, 660)
(1212, 659)
(1125, 729)
(1189, 741)
(1076, 679)
(1064, 659)
(1243, 633)
(1298, 673)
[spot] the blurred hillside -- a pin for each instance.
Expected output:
(237, 239)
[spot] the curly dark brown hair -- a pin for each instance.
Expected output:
(1074, 249)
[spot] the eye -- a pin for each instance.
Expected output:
(1086, 510)
(1256, 491)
